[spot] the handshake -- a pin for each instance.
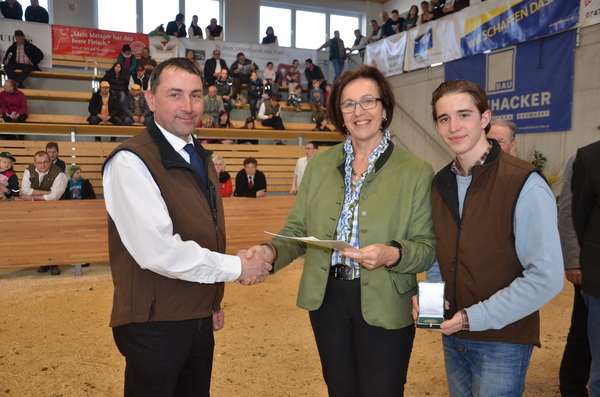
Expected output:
(257, 263)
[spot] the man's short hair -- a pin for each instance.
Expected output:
(506, 123)
(240, 54)
(276, 97)
(478, 94)
(373, 21)
(177, 63)
(395, 12)
(308, 60)
(250, 160)
(179, 17)
(41, 153)
(52, 145)
(314, 143)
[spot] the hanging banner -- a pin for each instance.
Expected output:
(589, 13)
(36, 33)
(530, 84)
(431, 43)
(71, 40)
(495, 25)
(387, 55)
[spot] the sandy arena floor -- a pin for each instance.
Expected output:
(55, 340)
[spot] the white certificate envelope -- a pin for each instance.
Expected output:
(335, 244)
(431, 304)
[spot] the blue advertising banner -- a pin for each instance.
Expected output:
(530, 84)
(517, 22)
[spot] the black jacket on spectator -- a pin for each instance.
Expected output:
(114, 106)
(34, 54)
(16, 12)
(37, 14)
(241, 184)
(172, 28)
(209, 69)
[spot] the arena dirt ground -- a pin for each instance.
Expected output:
(55, 340)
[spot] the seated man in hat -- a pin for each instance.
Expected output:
(135, 107)
(104, 107)
(21, 55)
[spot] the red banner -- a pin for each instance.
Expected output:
(70, 40)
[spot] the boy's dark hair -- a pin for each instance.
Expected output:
(177, 63)
(269, 63)
(52, 145)
(250, 160)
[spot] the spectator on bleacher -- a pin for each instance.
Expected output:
(78, 188)
(11, 9)
(359, 43)
(189, 54)
(177, 27)
(135, 108)
(42, 180)
(316, 100)
(321, 124)
(250, 182)
(295, 98)
(223, 120)
(241, 70)
(52, 150)
(386, 26)
(397, 22)
(13, 104)
(214, 31)
(255, 92)
(411, 18)
(21, 55)
(104, 107)
(224, 177)
(438, 8)
(310, 149)
(337, 53)
(456, 6)
(118, 81)
(146, 61)
(270, 37)
(36, 13)
(326, 94)
(248, 125)
(195, 31)
(270, 76)
(270, 113)
(127, 60)
(213, 104)
(140, 77)
(292, 78)
(9, 182)
(313, 72)
(225, 90)
(213, 67)
(426, 14)
(375, 32)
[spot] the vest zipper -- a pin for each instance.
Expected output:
(151, 309)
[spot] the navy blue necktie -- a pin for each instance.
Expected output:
(195, 161)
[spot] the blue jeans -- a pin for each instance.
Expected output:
(476, 368)
(593, 305)
(338, 67)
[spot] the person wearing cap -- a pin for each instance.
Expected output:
(13, 104)
(135, 107)
(21, 55)
(141, 78)
(78, 187)
(9, 182)
(127, 60)
(104, 107)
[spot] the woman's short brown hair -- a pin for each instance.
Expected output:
(386, 94)
(480, 98)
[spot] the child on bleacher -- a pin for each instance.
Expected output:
(78, 188)
(316, 100)
(295, 98)
(292, 79)
(9, 182)
(270, 75)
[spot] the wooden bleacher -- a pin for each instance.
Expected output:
(278, 162)
(82, 62)
(79, 229)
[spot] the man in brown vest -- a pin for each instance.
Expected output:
(497, 246)
(43, 181)
(167, 243)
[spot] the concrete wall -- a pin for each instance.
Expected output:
(413, 93)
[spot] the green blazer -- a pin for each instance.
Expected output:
(394, 205)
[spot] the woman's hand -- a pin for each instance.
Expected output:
(374, 255)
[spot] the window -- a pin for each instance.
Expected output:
(156, 12)
(310, 29)
(346, 26)
(281, 21)
(124, 20)
(205, 9)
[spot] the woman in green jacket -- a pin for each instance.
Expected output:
(375, 197)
